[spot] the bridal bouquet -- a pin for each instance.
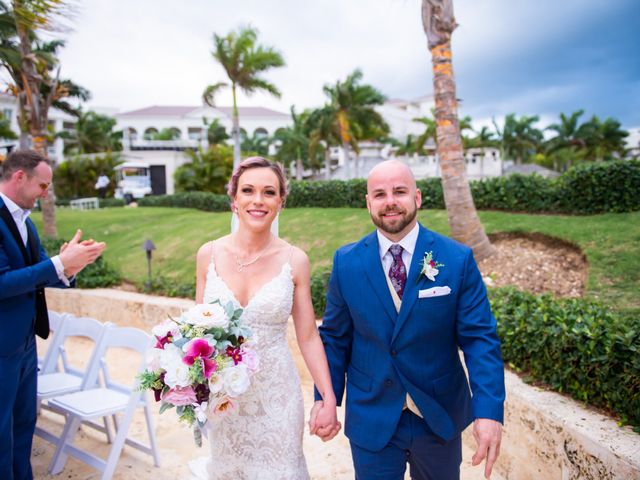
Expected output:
(201, 363)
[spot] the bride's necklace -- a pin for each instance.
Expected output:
(240, 266)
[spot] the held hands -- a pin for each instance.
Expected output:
(77, 254)
(323, 420)
(488, 434)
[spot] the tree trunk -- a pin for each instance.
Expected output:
(463, 218)
(235, 131)
(48, 205)
(299, 169)
(327, 163)
(347, 165)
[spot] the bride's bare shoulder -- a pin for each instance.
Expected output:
(205, 251)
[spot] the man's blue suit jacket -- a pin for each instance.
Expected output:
(24, 273)
(386, 354)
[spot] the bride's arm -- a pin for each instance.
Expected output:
(307, 334)
(203, 258)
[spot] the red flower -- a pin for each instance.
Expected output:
(235, 354)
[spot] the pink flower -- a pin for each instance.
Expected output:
(224, 406)
(250, 357)
(180, 396)
(199, 349)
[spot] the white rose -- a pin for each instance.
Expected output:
(207, 316)
(216, 383)
(177, 372)
(236, 380)
(153, 359)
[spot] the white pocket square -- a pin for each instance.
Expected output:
(434, 292)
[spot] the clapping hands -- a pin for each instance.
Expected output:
(323, 420)
(77, 254)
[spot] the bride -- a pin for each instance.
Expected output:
(269, 279)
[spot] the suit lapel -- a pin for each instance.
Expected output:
(32, 244)
(13, 228)
(373, 267)
(410, 295)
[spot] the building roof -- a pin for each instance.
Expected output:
(181, 111)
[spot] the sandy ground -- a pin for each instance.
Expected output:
(326, 461)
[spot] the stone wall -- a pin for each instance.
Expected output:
(546, 435)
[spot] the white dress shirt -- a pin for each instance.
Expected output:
(20, 216)
(408, 244)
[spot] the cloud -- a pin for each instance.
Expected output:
(509, 55)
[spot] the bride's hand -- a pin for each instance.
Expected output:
(323, 420)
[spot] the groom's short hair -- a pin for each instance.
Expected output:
(258, 162)
(25, 160)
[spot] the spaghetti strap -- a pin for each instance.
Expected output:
(213, 244)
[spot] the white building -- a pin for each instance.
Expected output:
(190, 125)
(58, 120)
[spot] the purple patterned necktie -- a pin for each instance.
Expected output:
(397, 272)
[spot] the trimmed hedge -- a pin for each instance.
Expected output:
(103, 202)
(209, 202)
(585, 189)
(601, 187)
(575, 346)
(99, 274)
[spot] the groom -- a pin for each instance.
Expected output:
(25, 270)
(400, 303)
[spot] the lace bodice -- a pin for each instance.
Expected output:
(263, 437)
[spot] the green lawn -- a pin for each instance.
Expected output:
(611, 242)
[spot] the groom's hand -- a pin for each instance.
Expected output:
(488, 434)
(323, 421)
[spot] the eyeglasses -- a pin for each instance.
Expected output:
(44, 186)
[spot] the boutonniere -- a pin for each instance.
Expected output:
(430, 266)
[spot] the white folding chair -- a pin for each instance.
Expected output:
(58, 377)
(55, 323)
(113, 398)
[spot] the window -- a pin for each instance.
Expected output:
(7, 113)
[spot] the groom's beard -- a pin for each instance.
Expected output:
(394, 226)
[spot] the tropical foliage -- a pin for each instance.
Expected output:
(76, 176)
(244, 60)
(207, 171)
(92, 133)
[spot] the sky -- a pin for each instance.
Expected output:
(534, 57)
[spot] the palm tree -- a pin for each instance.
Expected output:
(294, 142)
(93, 133)
(428, 134)
(520, 139)
(243, 59)
(256, 144)
(351, 107)
(570, 141)
(605, 140)
(324, 132)
(439, 23)
(216, 132)
(33, 68)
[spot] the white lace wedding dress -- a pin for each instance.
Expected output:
(262, 439)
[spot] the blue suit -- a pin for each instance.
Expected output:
(386, 354)
(24, 273)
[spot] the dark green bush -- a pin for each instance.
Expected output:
(601, 187)
(99, 274)
(516, 193)
(319, 284)
(209, 202)
(111, 202)
(593, 188)
(576, 346)
(161, 285)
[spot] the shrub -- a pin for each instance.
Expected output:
(209, 202)
(76, 176)
(575, 346)
(518, 193)
(207, 171)
(319, 285)
(99, 274)
(167, 287)
(601, 187)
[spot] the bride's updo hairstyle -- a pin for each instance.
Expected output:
(257, 162)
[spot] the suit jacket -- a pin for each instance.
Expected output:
(24, 273)
(386, 354)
